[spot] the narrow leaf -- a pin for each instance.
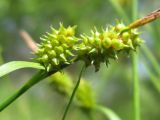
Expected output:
(15, 65)
(111, 115)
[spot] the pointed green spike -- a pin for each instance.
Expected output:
(69, 53)
(54, 30)
(116, 57)
(96, 65)
(49, 67)
(45, 58)
(129, 43)
(52, 54)
(62, 56)
(55, 61)
(54, 42)
(40, 51)
(48, 46)
(107, 62)
(65, 46)
(43, 39)
(51, 35)
(59, 49)
(67, 63)
(94, 50)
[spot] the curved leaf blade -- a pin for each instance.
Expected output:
(15, 65)
(111, 115)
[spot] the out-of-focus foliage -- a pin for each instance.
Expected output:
(112, 85)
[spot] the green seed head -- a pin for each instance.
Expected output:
(56, 47)
(62, 46)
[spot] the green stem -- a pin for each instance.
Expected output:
(35, 79)
(134, 9)
(73, 94)
(136, 98)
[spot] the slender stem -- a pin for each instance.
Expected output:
(136, 98)
(136, 93)
(35, 79)
(73, 93)
(134, 9)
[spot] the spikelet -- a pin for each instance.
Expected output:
(57, 47)
(62, 46)
(101, 46)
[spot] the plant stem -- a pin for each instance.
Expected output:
(136, 95)
(73, 93)
(136, 98)
(35, 79)
(134, 9)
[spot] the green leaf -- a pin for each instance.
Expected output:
(15, 65)
(111, 115)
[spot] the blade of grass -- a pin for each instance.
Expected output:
(15, 65)
(73, 93)
(34, 80)
(39, 76)
(107, 112)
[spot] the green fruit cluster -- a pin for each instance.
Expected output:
(101, 46)
(62, 46)
(57, 47)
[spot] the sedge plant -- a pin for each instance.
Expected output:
(61, 48)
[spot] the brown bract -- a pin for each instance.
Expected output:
(149, 18)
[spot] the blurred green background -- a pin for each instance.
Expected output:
(112, 86)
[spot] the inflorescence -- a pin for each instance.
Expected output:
(61, 47)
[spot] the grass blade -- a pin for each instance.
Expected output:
(108, 112)
(15, 65)
(35, 79)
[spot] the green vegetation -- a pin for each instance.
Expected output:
(123, 90)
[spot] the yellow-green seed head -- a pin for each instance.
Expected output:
(62, 46)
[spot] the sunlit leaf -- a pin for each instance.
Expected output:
(15, 65)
